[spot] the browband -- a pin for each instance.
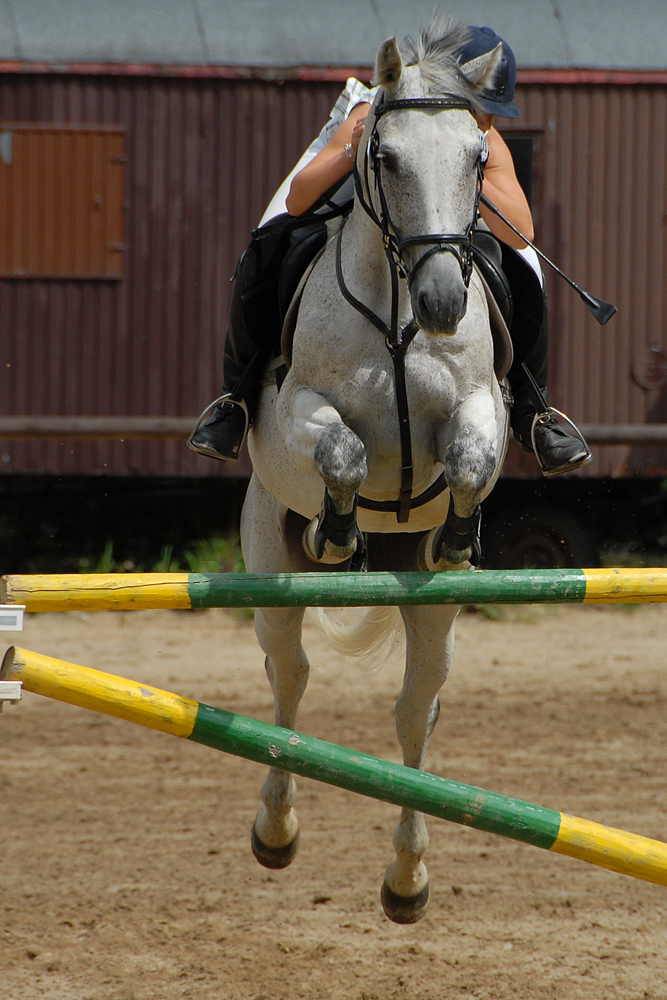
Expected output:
(450, 103)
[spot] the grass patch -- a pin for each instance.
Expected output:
(217, 554)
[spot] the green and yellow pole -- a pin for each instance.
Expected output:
(616, 850)
(137, 591)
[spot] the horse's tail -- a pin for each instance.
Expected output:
(369, 634)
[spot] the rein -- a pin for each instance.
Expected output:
(460, 244)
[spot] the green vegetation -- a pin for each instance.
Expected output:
(205, 555)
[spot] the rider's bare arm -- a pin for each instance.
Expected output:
(500, 182)
(330, 164)
(503, 189)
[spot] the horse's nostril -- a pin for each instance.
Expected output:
(439, 313)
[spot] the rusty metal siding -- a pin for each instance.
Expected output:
(600, 215)
(204, 157)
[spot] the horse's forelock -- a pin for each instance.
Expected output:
(435, 53)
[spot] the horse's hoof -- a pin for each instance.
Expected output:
(274, 857)
(457, 540)
(321, 550)
(448, 561)
(404, 909)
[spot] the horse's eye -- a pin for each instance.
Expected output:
(387, 159)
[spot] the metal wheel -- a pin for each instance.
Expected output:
(537, 538)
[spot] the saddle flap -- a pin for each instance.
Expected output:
(503, 352)
(291, 316)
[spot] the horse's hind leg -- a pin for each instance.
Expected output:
(275, 833)
(270, 545)
(430, 645)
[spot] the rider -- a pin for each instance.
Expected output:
(328, 162)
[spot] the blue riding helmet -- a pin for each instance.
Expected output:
(498, 100)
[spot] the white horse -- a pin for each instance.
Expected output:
(393, 332)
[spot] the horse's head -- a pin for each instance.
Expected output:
(422, 153)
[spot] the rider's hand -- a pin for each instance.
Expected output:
(357, 133)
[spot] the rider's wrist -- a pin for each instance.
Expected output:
(348, 149)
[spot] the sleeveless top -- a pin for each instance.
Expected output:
(354, 93)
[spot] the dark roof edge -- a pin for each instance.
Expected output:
(280, 74)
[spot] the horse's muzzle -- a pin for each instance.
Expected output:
(438, 309)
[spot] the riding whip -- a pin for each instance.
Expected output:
(602, 311)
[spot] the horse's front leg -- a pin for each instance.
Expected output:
(339, 456)
(430, 646)
(275, 833)
(471, 445)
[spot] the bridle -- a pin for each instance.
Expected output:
(459, 244)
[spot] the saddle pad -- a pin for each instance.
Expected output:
(503, 352)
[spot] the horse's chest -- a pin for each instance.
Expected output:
(372, 387)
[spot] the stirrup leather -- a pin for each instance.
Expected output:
(225, 398)
(543, 418)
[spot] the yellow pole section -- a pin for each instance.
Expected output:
(101, 692)
(617, 850)
(98, 591)
(625, 586)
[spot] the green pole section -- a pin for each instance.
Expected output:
(376, 778)
(279, 590)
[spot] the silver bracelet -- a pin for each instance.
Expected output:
(349, 151)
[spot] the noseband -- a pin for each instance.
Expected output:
(460, 244)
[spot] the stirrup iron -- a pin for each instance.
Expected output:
(543, 418)
(225, 398)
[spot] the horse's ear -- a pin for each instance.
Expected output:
(389, 65)
(481, 71)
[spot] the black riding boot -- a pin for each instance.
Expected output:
(266, 278)
(558, 447)
(223, 434)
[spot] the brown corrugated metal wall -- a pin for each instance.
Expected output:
(204, 157)
(600, 215)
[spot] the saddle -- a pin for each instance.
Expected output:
(487, 259)
(292, 312)
(516, 299)
(272, 276)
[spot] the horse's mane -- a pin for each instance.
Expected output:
(435, 52)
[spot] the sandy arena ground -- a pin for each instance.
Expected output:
(126, 871)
